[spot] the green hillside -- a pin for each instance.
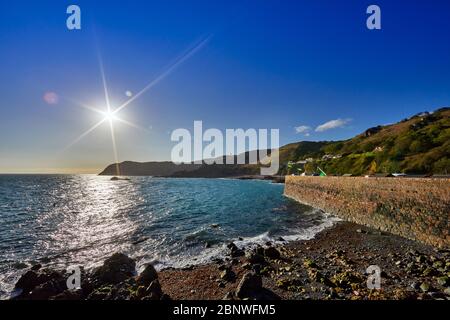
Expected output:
(420, 144)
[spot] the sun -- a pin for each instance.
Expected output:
(110, 116)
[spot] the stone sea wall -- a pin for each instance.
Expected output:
(415, 208)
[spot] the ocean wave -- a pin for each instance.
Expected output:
(208, 255)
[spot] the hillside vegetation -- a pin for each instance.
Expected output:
(420, 144)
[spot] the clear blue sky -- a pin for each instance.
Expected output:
(267, 64)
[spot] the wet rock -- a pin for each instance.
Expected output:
(47, 290)
(215, 225)
(147, 276)
(255, 258)
(115, 269)
(228, 275)
(272, 253)
(249, 286)
(281, 239)
(32, 278)
(235, 251)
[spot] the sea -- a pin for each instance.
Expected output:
(62, 221)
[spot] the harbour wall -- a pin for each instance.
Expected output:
(415, 208)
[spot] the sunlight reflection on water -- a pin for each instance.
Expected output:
(62, 220)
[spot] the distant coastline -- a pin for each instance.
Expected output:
(419, 145)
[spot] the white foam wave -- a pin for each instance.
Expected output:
(207, 255)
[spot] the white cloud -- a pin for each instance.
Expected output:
(302, 129)
(332, 124)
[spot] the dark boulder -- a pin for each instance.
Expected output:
(259, 250)
(255, 258)
(154, 291)
(147, 276)
(115, 269)
(235, 251)
(33, 278)
(272, 253)
(228, 275)
(257, 268)
(47, 290)
(249, 286)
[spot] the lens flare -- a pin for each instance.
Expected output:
(51, 98)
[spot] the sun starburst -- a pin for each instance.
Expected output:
(110, 115)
